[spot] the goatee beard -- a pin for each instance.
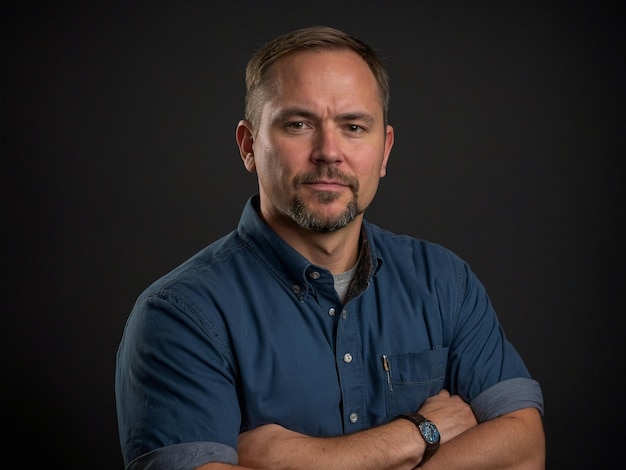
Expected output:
(310, 220)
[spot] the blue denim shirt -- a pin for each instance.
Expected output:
(249, 332)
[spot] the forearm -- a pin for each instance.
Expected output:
(389, 447)
(513, 441)
(221, 466)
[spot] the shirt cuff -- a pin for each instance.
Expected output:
(185, 456)
(507, 396)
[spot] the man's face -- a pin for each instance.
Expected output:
(321, 145)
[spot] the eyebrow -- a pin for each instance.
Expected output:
(290, 113)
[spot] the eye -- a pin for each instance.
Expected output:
(296, 125)
(354, 128)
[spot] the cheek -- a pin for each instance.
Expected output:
(370, 179)
(273, 172)
(284, 160)
(375, 171)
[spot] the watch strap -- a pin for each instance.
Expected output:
(417, 419)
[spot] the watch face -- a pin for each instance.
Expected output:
(430, 432)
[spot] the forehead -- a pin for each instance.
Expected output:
(320, 75)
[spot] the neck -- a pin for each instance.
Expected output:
(336, 251)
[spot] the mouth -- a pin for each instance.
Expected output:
(329, 181)
(326, 185)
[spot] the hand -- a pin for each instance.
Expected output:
(450, 413)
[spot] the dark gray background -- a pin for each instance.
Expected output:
(119, 161)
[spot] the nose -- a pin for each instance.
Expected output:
(327, 146)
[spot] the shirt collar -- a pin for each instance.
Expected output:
(289, 265)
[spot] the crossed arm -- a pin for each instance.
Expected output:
(513, 441)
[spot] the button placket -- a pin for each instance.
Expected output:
(348, 345)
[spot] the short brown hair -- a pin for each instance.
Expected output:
(313, 37)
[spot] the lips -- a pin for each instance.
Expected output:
(328, 187)
(327, 183)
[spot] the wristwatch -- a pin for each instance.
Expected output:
(428, 431)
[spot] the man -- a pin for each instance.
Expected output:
(309, 338)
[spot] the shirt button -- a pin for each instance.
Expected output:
(314, 275)
(295, 288)
(354, 418)
(344, 314)
(331, 312)
(347, 358)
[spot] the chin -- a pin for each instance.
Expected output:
(323, 218)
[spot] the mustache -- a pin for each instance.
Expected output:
(332, 173)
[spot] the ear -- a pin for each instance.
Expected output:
(245, 139)
(389, 138)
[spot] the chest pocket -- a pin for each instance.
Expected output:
(413, 377)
